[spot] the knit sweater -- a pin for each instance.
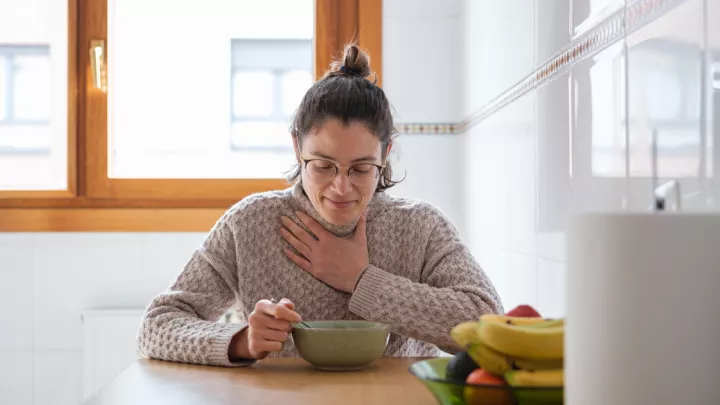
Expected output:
(422, 279)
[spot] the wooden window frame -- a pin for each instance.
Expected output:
(94, 202)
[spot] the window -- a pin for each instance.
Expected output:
(33, 97)
(25, 99)
(157, 115)
(269, 79)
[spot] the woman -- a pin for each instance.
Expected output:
(335, 245)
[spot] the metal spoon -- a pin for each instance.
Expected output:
(302, 322)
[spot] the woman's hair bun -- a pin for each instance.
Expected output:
(354, 62)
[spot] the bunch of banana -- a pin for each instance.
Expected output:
(523, 351)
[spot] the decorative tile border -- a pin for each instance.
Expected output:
(427, 129)
(607, 32)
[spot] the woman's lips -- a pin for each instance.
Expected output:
(339, 203)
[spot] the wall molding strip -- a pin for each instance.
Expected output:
(427, 128)
(605, 33)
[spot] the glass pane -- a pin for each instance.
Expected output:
(31, 88)
(295, 84)
(3, 88)
(33, 94)
(261, 134)
(215, 106)
(253, 93)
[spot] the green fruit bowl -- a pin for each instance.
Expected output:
(447, 392)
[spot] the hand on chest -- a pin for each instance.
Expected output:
(334, 260)
(305, 256)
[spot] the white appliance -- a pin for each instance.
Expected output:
(109, 337)
(643, 309)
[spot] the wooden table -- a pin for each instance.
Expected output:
(270, 381)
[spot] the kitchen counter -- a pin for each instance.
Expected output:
(270, 381)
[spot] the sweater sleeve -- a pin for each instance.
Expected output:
(181, 324)
(453, 288)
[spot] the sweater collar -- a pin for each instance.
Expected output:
(375, 207)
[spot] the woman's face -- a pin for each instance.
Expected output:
(341, 166)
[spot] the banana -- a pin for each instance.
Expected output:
(540, 378)
(464, 333)
(488, 359)
(536, 365)
(511, 320)
(498, 364)
(547, 324)
(526, 342)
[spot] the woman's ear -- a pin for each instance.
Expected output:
(388, 150)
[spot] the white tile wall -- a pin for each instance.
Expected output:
(486, 193)
(598, 133)
(16, 376)
(522, 280)
(672, 44)
(56, 377)
(495, 263)
(523, 183)
(109, 345)
(16, 255)
(522, 176)
(554, 190)
(432, 172)
(50, 279)
(586, 13)
(74, 272)
(499, 47)
(551, 294)
(552, 28)
(422, 76)
(418, 9)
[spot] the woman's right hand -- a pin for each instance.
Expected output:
(268, 327)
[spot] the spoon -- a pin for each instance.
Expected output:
(302, 322)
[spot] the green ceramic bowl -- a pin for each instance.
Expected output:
(432, 374)
(341, 345)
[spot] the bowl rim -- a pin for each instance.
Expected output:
(485, 386)
(372, 326)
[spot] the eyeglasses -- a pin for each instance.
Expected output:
(360, 174)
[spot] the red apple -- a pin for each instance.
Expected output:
(524, 311)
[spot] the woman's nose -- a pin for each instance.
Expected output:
(342, 183)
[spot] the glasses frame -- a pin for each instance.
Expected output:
(381, 168)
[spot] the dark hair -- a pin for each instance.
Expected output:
(344, 93)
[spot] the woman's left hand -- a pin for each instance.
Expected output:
(335, 261)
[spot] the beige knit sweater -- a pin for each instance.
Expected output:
(422, 279)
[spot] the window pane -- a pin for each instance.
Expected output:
(201, 110)
(295, 84)
(259, 135)
(31, 88)
(3, 88)
(253, 94)
(33, 94)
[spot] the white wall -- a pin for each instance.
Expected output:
(539, 159)
(49, 279)
(422, 50)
